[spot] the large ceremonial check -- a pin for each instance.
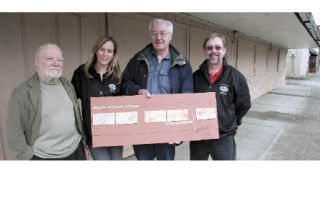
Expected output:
(128, 120)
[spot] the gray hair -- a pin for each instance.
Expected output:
(214, 35)
(161, 21)
(44, 46)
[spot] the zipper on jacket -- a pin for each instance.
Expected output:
(101, 86)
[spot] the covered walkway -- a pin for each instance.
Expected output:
(283, 124)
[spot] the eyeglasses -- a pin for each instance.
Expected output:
(155, 34)
(216, 47)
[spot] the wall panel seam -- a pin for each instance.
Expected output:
(24, 45)
(57, 27)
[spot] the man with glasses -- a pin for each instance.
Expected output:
(157, 69)
(233, 100)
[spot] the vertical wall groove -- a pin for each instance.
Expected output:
(57, 29)
(80, 38)
(106, 24)
(1, 142)
(188, 43)
(24, 45)
(237, 51)
(255, 60)
(278, 60)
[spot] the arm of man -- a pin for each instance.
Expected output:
(186, 85)
(76, 81)
(16, 124)
(242, 99)
(129, 87)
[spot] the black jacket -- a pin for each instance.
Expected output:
(135, 75)
(232, 94)
(92, 87)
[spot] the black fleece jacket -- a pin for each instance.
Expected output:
(232, 94)
(92, 87)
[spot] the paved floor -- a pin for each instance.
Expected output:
(283, 124)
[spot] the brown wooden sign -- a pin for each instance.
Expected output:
(128, 120)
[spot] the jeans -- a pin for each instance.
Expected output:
(219, 149)
(78, 154)
(161, 151)
(106, 153)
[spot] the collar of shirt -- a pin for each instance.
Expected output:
(214, 77)
(95, 74)
(154, 54)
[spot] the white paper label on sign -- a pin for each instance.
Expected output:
(155, 116)
(177, 115)
(103, 119)
(206, 113)
(126, 117)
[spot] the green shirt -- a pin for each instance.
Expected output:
(58, 136)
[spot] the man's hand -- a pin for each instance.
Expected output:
(175, 142)
(144, 92)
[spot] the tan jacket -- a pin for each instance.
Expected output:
(24, 116)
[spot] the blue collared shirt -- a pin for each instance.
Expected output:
(158, 78)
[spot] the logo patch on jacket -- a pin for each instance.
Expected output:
(112, 88)
(224, 89)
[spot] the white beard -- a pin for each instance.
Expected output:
(50, 77)
(54, 75)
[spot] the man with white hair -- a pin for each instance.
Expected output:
(44, 121)
(157, 69)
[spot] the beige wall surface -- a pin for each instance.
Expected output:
(196, 52)
(282, 60)
(132, 34)
(246, 55)
(21, 33)
(261, 59)
(1, 145)
(272, 63)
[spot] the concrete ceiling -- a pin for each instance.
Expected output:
(282, 29)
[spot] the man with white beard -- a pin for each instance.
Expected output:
(44, 121)
(232, 95)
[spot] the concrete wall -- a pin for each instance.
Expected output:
(261, 63)
(297, 63)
